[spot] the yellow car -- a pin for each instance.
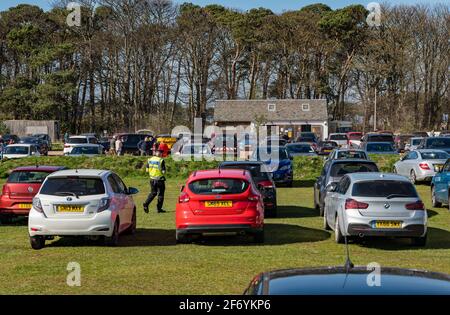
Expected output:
(167, 139)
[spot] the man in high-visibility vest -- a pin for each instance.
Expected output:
(156, 168)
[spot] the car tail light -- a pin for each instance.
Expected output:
(353, 204)
(104, 204)
(424, 166)
(184, 197)
(418, 205)
(66, 146)
(37, 205)
(6, 191)
(253, 198)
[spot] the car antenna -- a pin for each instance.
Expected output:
(348, 263)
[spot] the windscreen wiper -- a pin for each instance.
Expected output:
(397, 196)
(67, 193)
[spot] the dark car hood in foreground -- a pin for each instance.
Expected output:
(335, 281)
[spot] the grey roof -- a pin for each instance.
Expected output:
(286, 110)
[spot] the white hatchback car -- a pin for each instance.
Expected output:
(77, 140)
(82, 203)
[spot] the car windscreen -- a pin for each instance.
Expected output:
(338, 137)
(340, 169)
(29, 140)
(218, 186)
(351, 155)
(73, 185)
(415, 141)
(384, 188)
(27, 177)
(328, 144)
(132, 140)
(380, 147)
(258, 171)
(16, 150)
(84, 150)
(77, 140)
(436, 155)
(299, 149)
(438, 143)
(268, 153)
(381, 138)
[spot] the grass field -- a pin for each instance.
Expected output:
(151, 263)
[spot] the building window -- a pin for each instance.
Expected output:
(271, 107)
(305, 107)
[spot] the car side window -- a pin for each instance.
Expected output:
(121, 185)
(446, 167)
(93, 140)
(343, 185)
(413, 155)
(113, 184)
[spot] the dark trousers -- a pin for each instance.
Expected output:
(158, 188)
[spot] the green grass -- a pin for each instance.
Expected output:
(151, 263)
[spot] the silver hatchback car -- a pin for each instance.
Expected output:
(375, 204)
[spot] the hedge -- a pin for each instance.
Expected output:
(305, 168)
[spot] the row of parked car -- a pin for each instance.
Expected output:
(11, 146)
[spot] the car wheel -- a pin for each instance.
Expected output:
(182, 238)
(132, 229)
(5, 219)
(419, 241)
(113, 240)
(258, 237)
(37, 242)
(434, 202)
(321, 210)
(412, 177)
(339, 238)
(325, 223)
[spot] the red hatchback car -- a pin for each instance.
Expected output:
(220, 202)
(22, 185)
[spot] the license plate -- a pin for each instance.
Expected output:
(218, 204)
(327, 151)
(388, 224)
(25, 205)
(65, 208)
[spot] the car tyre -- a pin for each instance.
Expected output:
(412, 177)
(258, 237)
(321, 210)
(339, 238)
(182, 238)
(325, 223)
(419, 241)
(132, 229)
(37, 242)
(113, 240)
(434, 202)
(5, 219)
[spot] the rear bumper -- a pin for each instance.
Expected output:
(415, 230)
(219, 229)
(424, 175)
(11, 206)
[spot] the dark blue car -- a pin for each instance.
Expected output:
(278, 162)
(440, 186)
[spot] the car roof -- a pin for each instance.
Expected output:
(86, 145)
(351, 150)
(43, 168)
(20, 145)
(298, 143)
(81, 137)
(373, 176)
(352, 161)
(80, 172)
(220, 173)
(428, 150)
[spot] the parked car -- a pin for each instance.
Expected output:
(309, 137)
(375, 204)
(130, 142)
(219, 201)
(278, 162)
(8, 138)
(89, 150)
(440, 186)
(77, 140)
(82, 203)
(275, 141)
(340, 138)
(421, 134)
(195, 151)
(17, 151)
(401, 141)
(379, 148)
(326, 147)
(421, 165)
(263, 181)
(341, 154)
(40, 143)
(45, 137)
(377, 137)
(413, 143)
(332, 171)
(435, 143)
(354, 139)
(332, 280)
(22, 185)
(300, 149)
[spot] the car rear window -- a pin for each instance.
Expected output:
(132, 139)
(355, 136)
(416, 141)
(78, 186)
(85, 150)
(352, 155)
(380, 147)
(221, 186)
(438, 143)
(381, 138)
(16, 150)
(27, 177)
(299, 149)
(434, 155)
(384, 188)
(77, 140)
(328, 144)
(340, 169)
(338, 137)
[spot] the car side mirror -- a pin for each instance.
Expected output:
(132, 191)
(331, 187)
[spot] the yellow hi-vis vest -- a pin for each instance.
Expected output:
(154, 167)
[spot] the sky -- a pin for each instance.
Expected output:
(277, 6)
